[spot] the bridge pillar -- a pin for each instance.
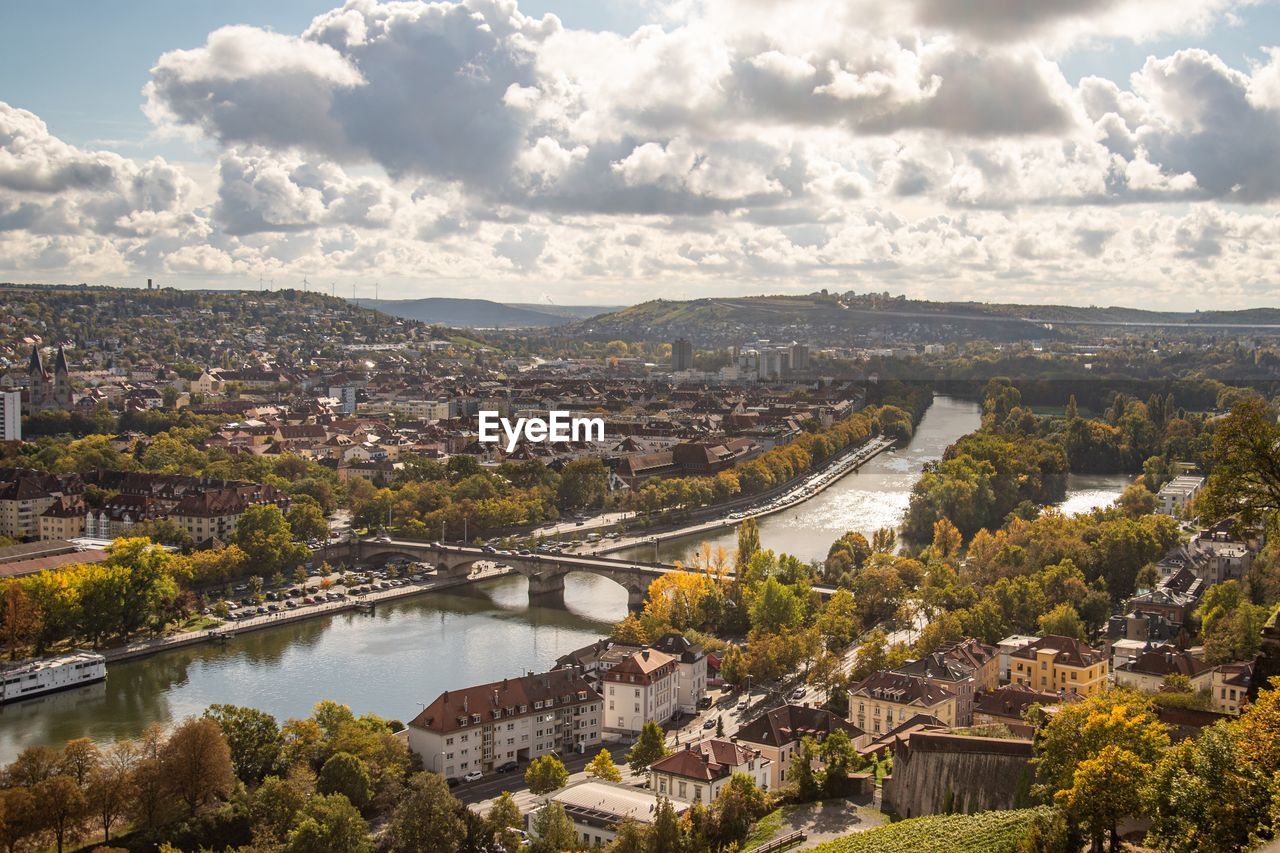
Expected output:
(635, 599)
(546, 589)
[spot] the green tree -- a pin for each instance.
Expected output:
(840, 759)
(1105, 789)
(803, 774)
(602, 767)
(583, 483)
(545, 774)
(266, 539)
(306, 520)
(428, 818)
(666, 836)
(253, 738)
(648, 748)
(1245, 465)
(329, 823)
(503, 817)
(1062, 621)
(738, 805)
(552, 830)
(776, 608)
(344, 773)
(276, 803)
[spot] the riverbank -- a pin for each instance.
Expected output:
(229, 630)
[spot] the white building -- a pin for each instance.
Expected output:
(691, 670)
(596, 808)
(1177, 493)
(698, 772)
(1008, 646)
(640, 689)
(516, 719)
(10, 415)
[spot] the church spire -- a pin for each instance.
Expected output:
(60, 366)
(36, 367)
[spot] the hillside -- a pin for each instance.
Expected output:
(870, 319)
(479, 313)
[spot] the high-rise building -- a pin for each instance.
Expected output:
(681, 355)
(10, 415)
(799, 357)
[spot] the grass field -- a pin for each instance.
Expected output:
(987, 832)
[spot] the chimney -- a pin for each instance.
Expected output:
(645, 654)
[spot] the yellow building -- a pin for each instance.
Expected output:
(884, 700)
(1054, 663)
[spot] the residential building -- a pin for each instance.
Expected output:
(596, 808)
(1148, 670)
(882, 700)
(698, 772)
(640, 689)
(1176, 494)
(516, 719)
(1008, 646)
(26, 494)
(1008, 705)
(1054, 663)
(1229, 686)
(776, 735)
(691, 669)
(64, 519)
(681, 355)
(10, 416)
(216, 511)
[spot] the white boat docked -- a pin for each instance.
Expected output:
(27, 679)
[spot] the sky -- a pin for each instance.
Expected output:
(605, 152)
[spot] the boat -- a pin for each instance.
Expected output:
(27, 679)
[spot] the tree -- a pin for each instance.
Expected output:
(276, 803)
(503, 817)
(739, 804)
(80, 757)
(61, 807)
(776, 608)
(1105, 789)
(748, 545)
(870, 656)
(553, 831)
(583, 483)
(1136, 501)
(20, 618)
(330, 824)
(346, 774)
(19, 817)
(253, 738)
(197, 762)
(803, 774)
(267, 541)
(1062, 621)
(666, 835)
(306, 520)
(840, 759)
(602, 767)
(545, 774)
(109, 786)
(648, 748)
(428, 817)
(1245, 465)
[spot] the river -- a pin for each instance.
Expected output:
(413, 649)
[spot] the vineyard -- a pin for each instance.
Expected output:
(987, 832)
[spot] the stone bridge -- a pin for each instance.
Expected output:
(546, 572)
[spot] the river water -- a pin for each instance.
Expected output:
(411, 650)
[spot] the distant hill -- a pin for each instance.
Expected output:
(849, 318)
(479, 313)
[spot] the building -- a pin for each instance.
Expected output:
(26, 494)
(799, 357)
(1008, 705)
(1055, 663)
(10, 416)
(49, 390)
(516, 719)
(698, 772)
(882, 700)
(1148, 670)
(64, 519)
(640, 689)
(1176, 494)
(1008, 646)
(596, 808)
(776, 735)
(691, 669)
(1230, 685)
(963, 668)
(681, 355)
(214, 512)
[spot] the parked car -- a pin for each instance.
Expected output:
(451, 781)
(473, 776)
(798, 693)
(709, 723)
(508, 767)
(704, 703)
(742, 704)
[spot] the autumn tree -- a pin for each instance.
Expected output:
(344, 773)
(61, 805)
(328, 823)
(501, 820)
(1105, 789)
(602, 767)
(253, 738)
(553, 830)
(197, 763)
(19, 618)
